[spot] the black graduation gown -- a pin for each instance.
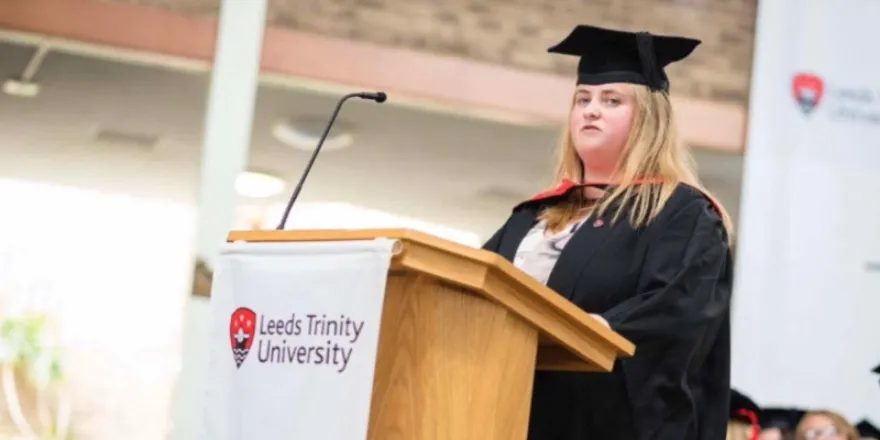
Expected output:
(665, 287)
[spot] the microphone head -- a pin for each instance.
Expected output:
(379, 97)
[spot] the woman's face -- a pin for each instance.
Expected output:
(600, 123)
(819, 427)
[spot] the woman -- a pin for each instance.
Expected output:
(826, 425)
(629, 235)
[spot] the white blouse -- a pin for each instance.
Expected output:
(538, 251)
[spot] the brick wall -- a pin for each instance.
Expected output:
(517, 32)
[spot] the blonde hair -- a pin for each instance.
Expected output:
(652, 151)
(845, 427)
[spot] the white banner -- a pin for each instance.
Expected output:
(295, 328)
(806, 328)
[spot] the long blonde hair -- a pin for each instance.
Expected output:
(652, 151)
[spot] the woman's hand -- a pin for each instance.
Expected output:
(600, 319)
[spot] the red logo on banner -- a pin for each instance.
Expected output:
(241, 333)
(808, 90)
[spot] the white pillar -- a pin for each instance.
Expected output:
(228, 122)
(229, 117)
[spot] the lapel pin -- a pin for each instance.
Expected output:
(598, 223)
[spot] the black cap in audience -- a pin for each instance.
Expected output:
(785, 419)
(868, 430)
(742, 408)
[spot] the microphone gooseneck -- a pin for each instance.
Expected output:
(379, 97)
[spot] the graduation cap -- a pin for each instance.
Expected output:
(868, 430)
(786, 419)
(608, 55)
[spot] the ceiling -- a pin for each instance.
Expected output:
(455, 170)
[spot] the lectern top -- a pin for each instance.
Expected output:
(570, 339)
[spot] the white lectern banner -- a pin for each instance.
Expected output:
(295, 328)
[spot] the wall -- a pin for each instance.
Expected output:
(517, 34)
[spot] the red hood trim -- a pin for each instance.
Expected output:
(567, 185)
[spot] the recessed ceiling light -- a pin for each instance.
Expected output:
(20, 88)
(304, 134)
(258, 185)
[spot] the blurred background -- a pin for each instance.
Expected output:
(135, 133)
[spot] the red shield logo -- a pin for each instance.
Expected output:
(241, 333)
(808, 90)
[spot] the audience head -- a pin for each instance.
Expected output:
(825, 425)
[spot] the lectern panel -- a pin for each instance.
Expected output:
(451, 365)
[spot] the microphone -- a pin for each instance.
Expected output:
(379, 97)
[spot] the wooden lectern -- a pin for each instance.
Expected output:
(462, 333)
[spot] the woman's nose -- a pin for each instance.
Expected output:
(591, 112)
